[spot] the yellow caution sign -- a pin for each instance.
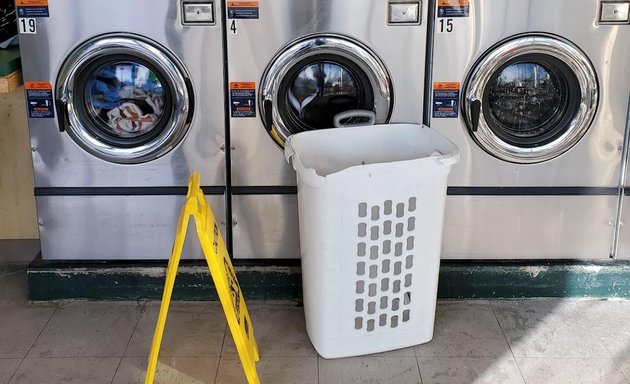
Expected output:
(223, 276)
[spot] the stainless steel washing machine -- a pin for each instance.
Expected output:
(534, 93)
(125, 100)
(622, 233)
(296, 65)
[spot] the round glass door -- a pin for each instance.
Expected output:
(314, 80)
(530, 99)
(125, 100)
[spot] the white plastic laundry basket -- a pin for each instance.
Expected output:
(371, 208)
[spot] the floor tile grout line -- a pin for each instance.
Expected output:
(618, 364)
(419, 371)
(494, 312)
(35, 341)
(318, 369)
(142, 310)
(216, 373)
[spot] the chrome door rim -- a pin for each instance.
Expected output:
(519, 46)
(136, 46)
(314, 45)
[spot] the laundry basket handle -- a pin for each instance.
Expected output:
(371, 116)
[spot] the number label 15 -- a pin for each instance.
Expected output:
(445, 26)
(28, 26)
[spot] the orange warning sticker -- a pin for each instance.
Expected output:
(453, 3)
(31, 3)
(243, 10)
(39, 99)
(453, 8)
(446, 99)
(243, 99)
(448, 85)
(242, 85)
(242, 4)
(37, 85)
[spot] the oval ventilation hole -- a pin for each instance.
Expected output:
(387, 227)
(358, 305)
(362, 209)
(372, 290)
(375, 213)
(361, 268)
(374, 233)
(397, 268)
(407, 298)
(396, 287)
(395, 304)
(410, 240)
(358, 322)
(374, 252)
(385, 266)
(400, 210)
(384, 285)
(373, 271)
(405, 315)
(362, 230)
(411, 223)
(370, 325)
(400, 227)
(408, 280)
(409, 262)
(360, 286)
(394, 321)
(361, 249)
(387, 247)
(384, 302)
(382, 320)
(412, 204)
(398, 248)
(387, 207)
(371, 308)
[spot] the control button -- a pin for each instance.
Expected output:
(196, 13)
(404, 13)
(614, 12)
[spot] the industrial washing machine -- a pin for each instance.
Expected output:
(534, 94)
(297, 65)
(622, 233)
(123, 105)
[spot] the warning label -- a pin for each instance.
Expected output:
(453, 8)
(243, 99)
(40, 99)
(243, 10)
(446, 100)
(32, 8)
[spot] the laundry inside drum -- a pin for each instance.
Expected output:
(125, 98)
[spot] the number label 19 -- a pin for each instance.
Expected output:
(445, 26)
(28, 26)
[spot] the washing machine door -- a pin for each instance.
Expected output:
(319, 78)
(124, 99)
(531, 98)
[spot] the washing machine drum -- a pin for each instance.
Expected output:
(323, 81)
(531, 98)
(124, 99)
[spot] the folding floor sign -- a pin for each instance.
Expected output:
(224, 278)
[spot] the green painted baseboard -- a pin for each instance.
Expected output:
(9, 60)
(470, 279)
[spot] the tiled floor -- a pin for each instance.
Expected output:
(500, 342)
